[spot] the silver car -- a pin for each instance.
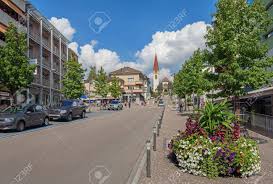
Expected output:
(20, 118)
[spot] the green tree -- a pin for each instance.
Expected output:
(101, 84)
(235, 48)
(15, 71)
(191, 79)
(73, 86)
(114, 88)
(92, 74)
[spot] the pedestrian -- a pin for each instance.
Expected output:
(129, 105)
(180, 107)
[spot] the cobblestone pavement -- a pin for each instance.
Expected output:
(165, 172)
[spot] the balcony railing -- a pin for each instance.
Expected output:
(56, 51)
(64, 56)
(46, 44)
(46, 82)
(56, 67)
(35, 36)
(46, 64)
(134, 83)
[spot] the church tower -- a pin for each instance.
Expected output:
(155, 74)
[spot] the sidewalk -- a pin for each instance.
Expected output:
(165, 172)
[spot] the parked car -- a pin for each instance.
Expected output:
(68, 110)
(161, 103)
(19, 118)
(115, 105)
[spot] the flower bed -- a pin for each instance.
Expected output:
(216, 150)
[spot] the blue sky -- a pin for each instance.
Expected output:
(133, 23)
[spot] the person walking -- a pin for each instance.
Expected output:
(129, 105)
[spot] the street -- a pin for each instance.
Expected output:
(102, 147)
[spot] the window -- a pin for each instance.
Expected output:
(130, 79)
(4, 7)
(39, 108)
(131, 87)
(31, 109)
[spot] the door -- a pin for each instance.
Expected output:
(39, 110)
(31, 116)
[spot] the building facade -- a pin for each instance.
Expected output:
(11, 11)
(135, 86)
(155, 74)
(47, 48)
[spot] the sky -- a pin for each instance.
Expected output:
(117, 33)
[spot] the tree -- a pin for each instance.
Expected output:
(15, 71)
(73, 86)
(114, 88)
(101, 84)
(235, 48)
(92, 74)
(191, 79)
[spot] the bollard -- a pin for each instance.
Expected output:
(154, 138)
(148, 161)
(157, 127)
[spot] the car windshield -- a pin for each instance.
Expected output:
(13, 109)
(67, 103)
(114, 102)
(161, 101)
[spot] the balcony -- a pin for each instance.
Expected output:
(64, 58)
(130, 91)
(56, 51)
(46, 44)
(46, 64)
(35, 36)
(134, 83)
(56, 85)
(6, 19)
(46, 82)
(56, 68)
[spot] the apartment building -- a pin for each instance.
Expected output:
(11, 11)
(48, 48)
(135, 85)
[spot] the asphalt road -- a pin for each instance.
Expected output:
(98, 150)
(10, 133)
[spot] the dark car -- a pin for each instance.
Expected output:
(68, 110)
(115, 105)
(161, 103)
(20, 118)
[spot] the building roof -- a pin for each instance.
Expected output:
(165, 79)
(156, 68)
(126, 71)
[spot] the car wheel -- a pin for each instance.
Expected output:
(69, 117)
(20, 126)
(46, 122)
(83, 114)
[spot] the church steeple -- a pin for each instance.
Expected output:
(155, 74)
(156, 68)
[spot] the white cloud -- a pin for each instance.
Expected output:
(74, 46)
(64, 26)
(172, 48)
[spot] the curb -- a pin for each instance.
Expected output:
(138, 167)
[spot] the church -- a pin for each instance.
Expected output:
(155, 75)
(165, 85)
